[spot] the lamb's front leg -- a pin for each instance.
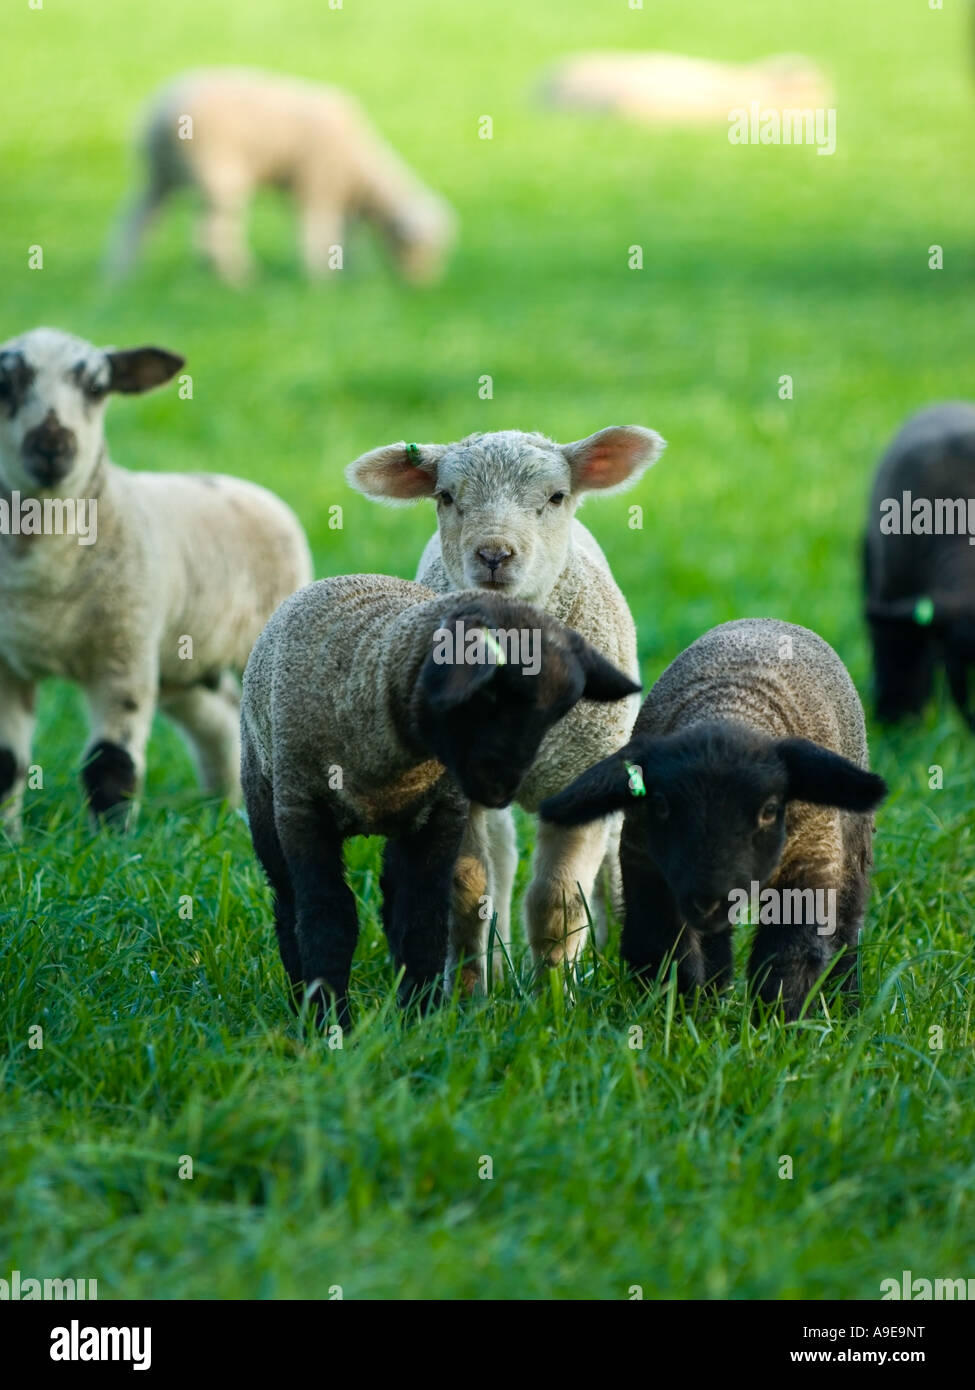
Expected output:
(503, 865)
(419, 872)
(654, 936)
(326, 923)
(470, 904)
(16, 733)
(564, 872)
(121, 705)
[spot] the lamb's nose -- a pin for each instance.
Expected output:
(493, 556)
(49, 448)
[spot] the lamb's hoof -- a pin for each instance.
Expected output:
(470, 981)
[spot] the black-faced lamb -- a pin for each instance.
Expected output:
(227, 132)
(919, 562)
(506, 504)
(143, 588)
(747, 796)
(368, 710)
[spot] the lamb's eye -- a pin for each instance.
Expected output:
(556, 498)
(445, 498)
(94, 390)
(660, 808)
(769, 813)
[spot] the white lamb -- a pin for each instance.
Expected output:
(505, 512)
(155, 599)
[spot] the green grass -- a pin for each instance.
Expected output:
(168, 1035)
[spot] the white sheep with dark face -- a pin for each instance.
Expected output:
(506, 504)
(155, 599)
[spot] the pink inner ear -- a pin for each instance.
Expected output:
(394, 477)
(606, 466)
(411, 481)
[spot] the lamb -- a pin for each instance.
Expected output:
(156, 598)
(362, 715)
(227, 131)
(505, 513)
(746, 795)
(919, 562)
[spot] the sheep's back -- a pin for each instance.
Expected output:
(266, 124)
(740, 672)
(318, 693)
(743, 671)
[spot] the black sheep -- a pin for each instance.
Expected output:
(919, 562)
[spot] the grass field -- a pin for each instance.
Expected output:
(167, 1035)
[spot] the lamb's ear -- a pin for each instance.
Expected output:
(612, 458)
(397, 472)
(604, 788)
(821, 776)
(449, 684)
(604, 681)
(142, 368)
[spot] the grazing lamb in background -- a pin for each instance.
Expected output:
(669, 88)
(357, 722)
(505, 515)
(158, 603)
(919, 561)
(726, 797)
(228, 132)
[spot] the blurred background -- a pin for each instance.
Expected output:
(758, 261)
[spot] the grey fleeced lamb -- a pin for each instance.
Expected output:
(369, 710)
(747, 796)
(228, 132)
(142, 588)
(919, 562)
(506, 503)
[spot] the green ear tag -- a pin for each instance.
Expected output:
(493, 645)
(924, 612)
(413, 454)
(635, 776)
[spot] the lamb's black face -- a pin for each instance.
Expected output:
(490, 740)
(708, 842)
(485, 719)
(711, 802)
